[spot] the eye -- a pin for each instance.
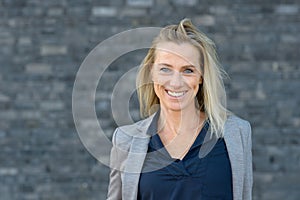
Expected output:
(188, 71)
(164, 69)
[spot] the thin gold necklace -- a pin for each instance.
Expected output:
(195, 134)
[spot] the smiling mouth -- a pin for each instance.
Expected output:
(175, 94)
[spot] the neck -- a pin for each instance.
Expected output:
(180, 121)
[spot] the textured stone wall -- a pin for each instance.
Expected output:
(43, 43)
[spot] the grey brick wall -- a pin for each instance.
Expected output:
(43, 43)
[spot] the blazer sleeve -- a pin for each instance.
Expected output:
(248, 179)
(115, 182)
(121, 143)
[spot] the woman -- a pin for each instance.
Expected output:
(189, 146)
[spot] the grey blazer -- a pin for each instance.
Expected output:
(130, 144)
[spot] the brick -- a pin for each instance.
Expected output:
(104, 11)
(287, 9)
(55, 12)
(8, 171)
(133, 12)
(32, 11)
(52, 105)
(186, 2)
(24, 41)
(289, 38)
(49, 50)
(9, 115)
(38, 68)
(219, 10)
(140, 3)
(30, 114)
(204, 20)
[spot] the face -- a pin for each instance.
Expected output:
(176, 75)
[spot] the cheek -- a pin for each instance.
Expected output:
(158, 89)
(194, 85)
(191, 81)
(157, 84)
(159, 80)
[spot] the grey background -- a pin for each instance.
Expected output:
(42, 44)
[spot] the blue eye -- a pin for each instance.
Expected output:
(164, 69)
(188, 71)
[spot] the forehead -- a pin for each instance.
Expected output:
(183, 54)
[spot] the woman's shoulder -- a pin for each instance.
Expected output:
(127, 132)
(244, 127)
(242, 123)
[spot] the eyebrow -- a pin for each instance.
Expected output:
(184, 66)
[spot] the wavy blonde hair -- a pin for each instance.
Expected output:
(211, 96)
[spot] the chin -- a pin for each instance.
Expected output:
(175, 108)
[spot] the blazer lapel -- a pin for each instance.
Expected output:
(234, 146)
(135, 160)
(134, 166)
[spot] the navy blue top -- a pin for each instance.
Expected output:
(166, 178)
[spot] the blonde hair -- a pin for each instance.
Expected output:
(211, 96)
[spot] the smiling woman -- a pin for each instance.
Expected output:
(193, 48)
(182, 98)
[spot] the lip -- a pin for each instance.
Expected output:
(177, 92)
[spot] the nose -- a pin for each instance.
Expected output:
(176, 80)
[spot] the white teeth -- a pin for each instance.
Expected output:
(175, 94)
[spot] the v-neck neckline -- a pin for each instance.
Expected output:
(157, 144)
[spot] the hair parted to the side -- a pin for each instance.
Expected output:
(211, 96)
